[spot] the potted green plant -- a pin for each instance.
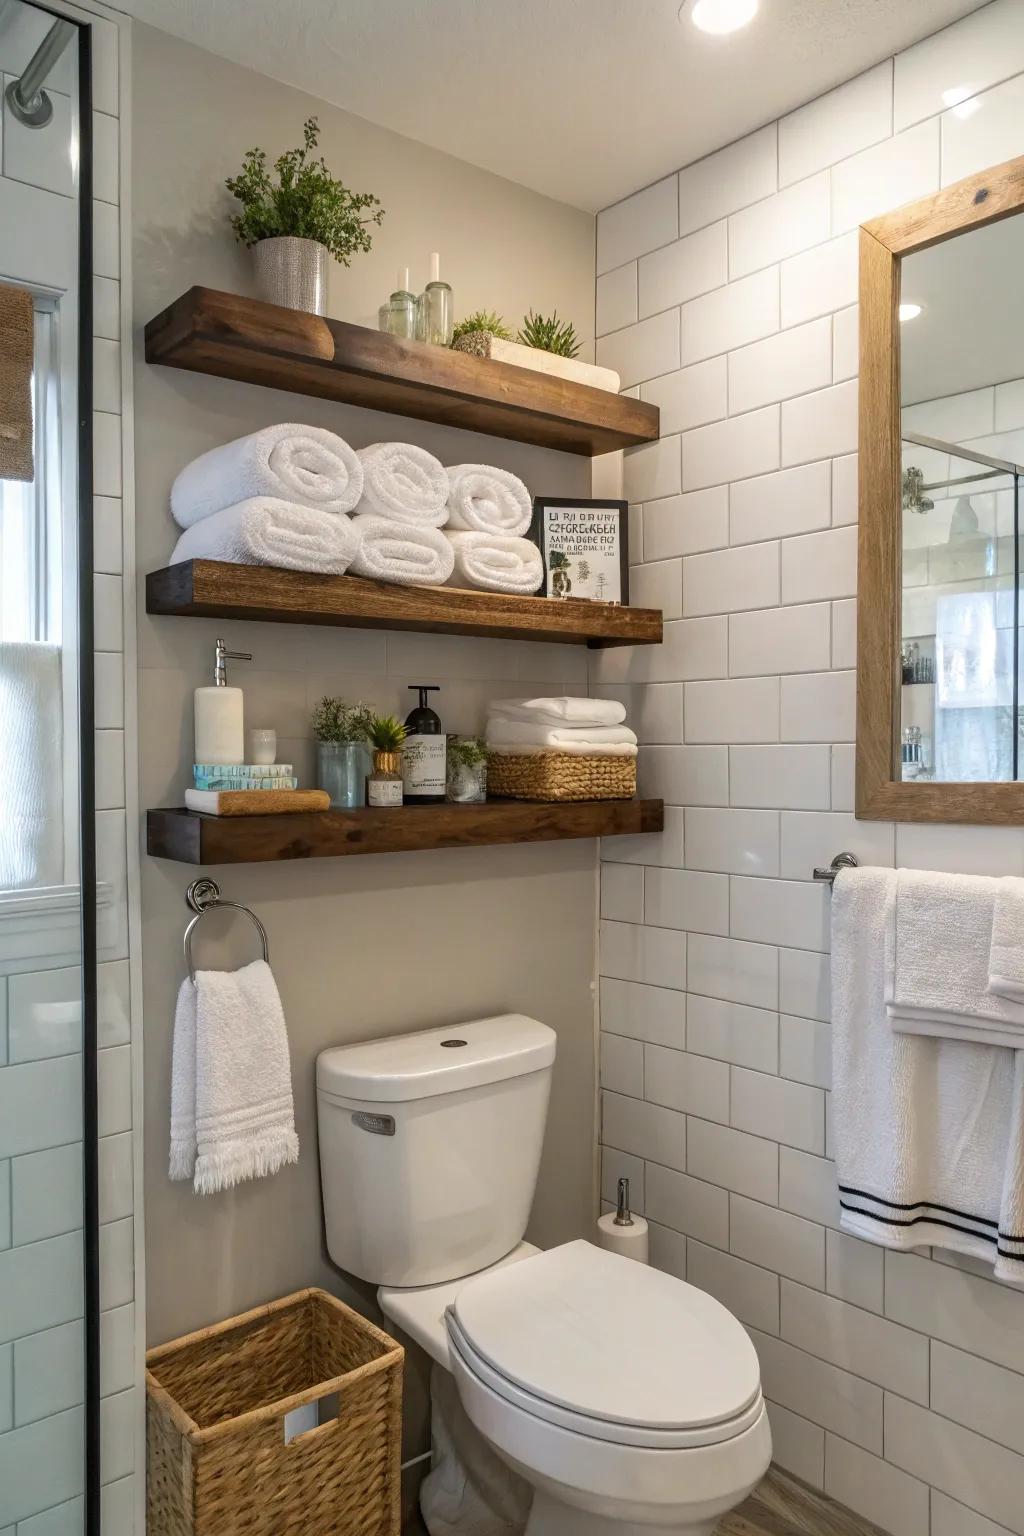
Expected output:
(342, 751)
(548, 334)
(544, 344)
(467, 770)
(295, 222)
(476, 333)
(384, 786)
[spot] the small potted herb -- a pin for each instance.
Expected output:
(342, 753)
(476, 333)
(297, 221)
(384, 786)
(467, 770)
(548, 334)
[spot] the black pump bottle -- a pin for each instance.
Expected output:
(424, 752)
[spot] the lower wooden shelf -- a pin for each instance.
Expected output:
(192, 838)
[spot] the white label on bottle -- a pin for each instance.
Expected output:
(384, 791)
(423, 760)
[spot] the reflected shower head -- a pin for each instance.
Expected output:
(914, 499)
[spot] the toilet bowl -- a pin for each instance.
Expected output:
(628, 1401)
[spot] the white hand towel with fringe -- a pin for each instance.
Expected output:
(495, 562)
(938, 949)
(929, 1133)
(518, 737)
(232, 1113)
(266, 531)
(399, 552)
(306, 465)
(559, 711)
(405, 484)
(483, 499)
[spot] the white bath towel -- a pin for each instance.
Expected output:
(31, 734)
(1006, 958)
(938, 943)
(929, 1133)
(518, 737)
(488, 500)
(389, 551)
(232, 1115)
(404, 483)
(495, 562)
(305, 465)
(266, 531)
(559, 711)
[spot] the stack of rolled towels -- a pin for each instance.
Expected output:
(577, 727)
(300, 498)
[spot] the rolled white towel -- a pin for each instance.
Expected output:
(559, 711)
(405, 484)
(516, 735)
(495, 562)
(305, 465)
(400, 552)
(266, 531)
(487, 500)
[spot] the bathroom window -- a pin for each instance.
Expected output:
(31, 541)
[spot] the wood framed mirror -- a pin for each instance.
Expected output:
(940, 616)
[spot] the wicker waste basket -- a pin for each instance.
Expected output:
(217, 1461)
(561, 776)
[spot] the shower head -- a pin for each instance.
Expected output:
(914, 499)
(25, 96)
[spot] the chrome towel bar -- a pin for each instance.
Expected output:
(202, 896)
(841, 861)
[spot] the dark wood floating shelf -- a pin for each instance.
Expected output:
(216, 589)
(240, 338)
(192, 838)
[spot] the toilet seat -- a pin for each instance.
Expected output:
(609, 1349)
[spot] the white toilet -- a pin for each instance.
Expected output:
(628, 1400)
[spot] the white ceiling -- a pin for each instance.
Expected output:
(585, 100)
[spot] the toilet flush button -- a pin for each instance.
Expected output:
(377, 1125)
(451, 1045)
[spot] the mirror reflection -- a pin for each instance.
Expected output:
(962, 406)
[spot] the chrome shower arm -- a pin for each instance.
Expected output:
(25, 96)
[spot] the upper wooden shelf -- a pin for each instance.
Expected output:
(192, 838)
(216, 589)
(240, 338)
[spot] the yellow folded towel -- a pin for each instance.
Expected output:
(256, 802)
(16, 348)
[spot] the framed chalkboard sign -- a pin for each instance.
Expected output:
(585, 548)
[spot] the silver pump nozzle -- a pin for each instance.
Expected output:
(623, 1218)
(220, 671)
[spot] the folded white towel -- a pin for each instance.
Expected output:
(399, 552)
(520, 738)
(938, 941)
(1006, 958)
(483, 499)
(929, 1133)
(31, 735)
(404, 483)
(266, 531)
(232, 1115)
(305, 465)
(559, 711)
(495, 562)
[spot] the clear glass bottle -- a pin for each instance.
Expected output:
(402, 309)
(435, 308)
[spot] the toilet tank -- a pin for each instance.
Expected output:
(430, 1145)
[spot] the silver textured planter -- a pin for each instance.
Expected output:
(292, 272)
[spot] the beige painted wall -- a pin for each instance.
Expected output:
(366, 946)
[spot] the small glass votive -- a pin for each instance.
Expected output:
(262, 745)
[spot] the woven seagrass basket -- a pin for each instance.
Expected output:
(217, 1461)
(561, 776)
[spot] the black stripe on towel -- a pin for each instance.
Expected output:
(937, 1221)
(916, 1205)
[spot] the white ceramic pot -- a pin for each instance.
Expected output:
(292, 272)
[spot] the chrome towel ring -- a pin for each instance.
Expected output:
(201, 896)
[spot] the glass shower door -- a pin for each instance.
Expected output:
(49, 1423)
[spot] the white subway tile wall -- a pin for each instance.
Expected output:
(894, 1382)
(41, 1358)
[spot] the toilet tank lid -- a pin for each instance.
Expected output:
(436, 1061)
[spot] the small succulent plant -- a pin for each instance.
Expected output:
(482, 320)
(334, 720)
(549, 334)
(386, 733)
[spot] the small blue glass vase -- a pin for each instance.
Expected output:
(341, 769)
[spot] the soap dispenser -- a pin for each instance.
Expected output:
(424, 751)
(219, 729)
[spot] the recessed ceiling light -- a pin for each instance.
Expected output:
(910, 311)
(720, 16)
